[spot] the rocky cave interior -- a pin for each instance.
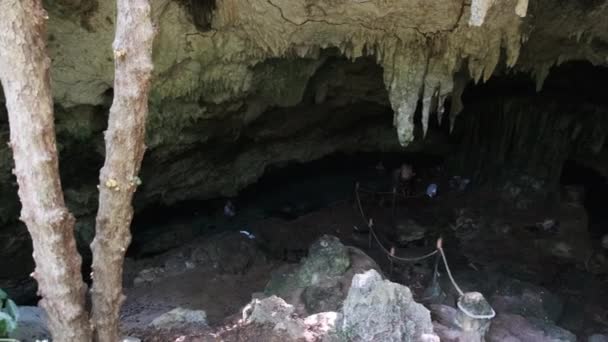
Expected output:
(530, 230)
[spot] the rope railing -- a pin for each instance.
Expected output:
(463, 297)
(390, 253)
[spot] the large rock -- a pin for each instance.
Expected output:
(379, 310)
(287, 325)
(320, 282)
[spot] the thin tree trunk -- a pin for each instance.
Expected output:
(125, 145)
(24, 72)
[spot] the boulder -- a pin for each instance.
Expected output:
(286, 324)
(321, 280)
(379, 310)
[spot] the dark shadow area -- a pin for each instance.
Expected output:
(286, 191)
(595, 195)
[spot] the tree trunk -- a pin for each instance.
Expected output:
(125, 145)
(24, 72)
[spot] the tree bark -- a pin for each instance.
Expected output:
(125, 145)
(24, 73)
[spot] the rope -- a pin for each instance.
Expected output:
(370, 225)
(360, 206)
(447, 267)
(391, 256)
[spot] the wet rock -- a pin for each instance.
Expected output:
(508, 327)
(180, 317)
(408, 231)
(32, 325)
(320, 282)
(379, 310)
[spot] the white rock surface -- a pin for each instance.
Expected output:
(379, 310)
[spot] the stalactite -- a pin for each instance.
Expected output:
(479, 10)
(540, 73)
(521, 9)
(404, 74)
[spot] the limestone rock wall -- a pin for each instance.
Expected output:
(419, 44)
(269, 81)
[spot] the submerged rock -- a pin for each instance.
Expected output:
(379, 310)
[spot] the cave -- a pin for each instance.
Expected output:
(278, 134)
